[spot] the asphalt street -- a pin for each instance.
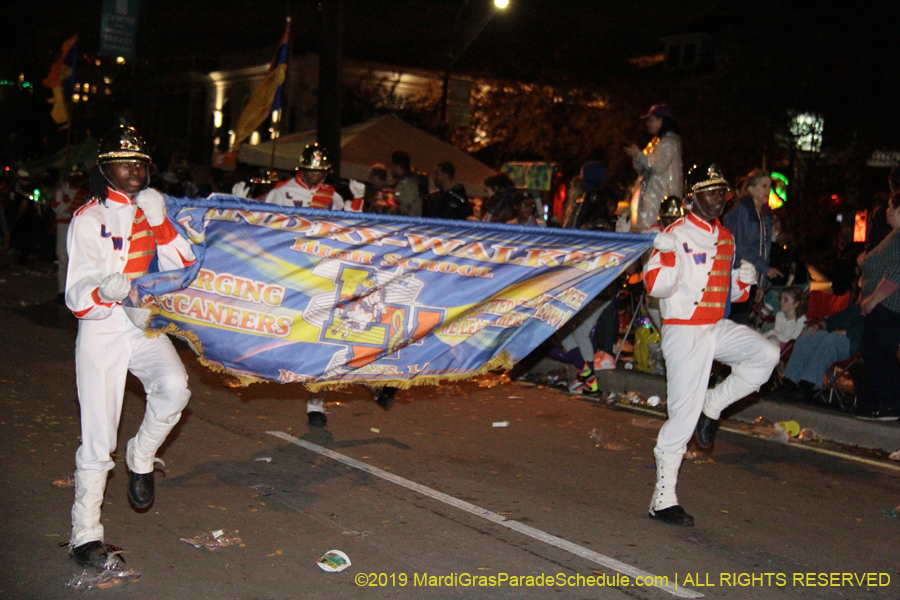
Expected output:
(428, 499)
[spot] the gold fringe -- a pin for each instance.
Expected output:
(501, 361)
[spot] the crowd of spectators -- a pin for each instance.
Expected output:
(35, 211)
(855, 321)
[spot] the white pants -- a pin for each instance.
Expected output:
(62, 230)
(105, 351)
(690, 351)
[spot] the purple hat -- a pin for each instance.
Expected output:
(659, 110)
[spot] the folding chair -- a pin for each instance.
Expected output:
(764, 311)
(777, 379)
(635, 313)
(831, 391)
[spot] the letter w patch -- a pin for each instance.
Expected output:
(699, 258)
(117, 244)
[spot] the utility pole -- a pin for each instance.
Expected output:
(331, 76)
(456, 52)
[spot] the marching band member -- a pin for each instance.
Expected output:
(70, 195)
(112, 239)
(691, 270)
(308, 189)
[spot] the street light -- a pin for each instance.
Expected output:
(454, 55)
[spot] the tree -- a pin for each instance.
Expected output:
(526, 121)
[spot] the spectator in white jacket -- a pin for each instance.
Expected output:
(791, 317)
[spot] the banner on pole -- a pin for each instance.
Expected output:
(334, 298)
(118, 28)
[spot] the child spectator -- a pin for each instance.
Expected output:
(790, 319)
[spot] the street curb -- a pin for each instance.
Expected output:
(829, 425)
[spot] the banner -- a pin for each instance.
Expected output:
(267, 97)
(118, 28)
(334, 298)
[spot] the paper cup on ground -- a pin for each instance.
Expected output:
(334, 561)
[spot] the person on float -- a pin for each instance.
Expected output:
(111, 240)
(307, 189)
(691, 271)
(658, 165)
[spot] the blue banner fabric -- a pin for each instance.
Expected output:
(334, 298)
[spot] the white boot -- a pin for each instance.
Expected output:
(664, 504)
(141, 449)
(667, 465)
(86, 526)
(315, 410)
(725, 394)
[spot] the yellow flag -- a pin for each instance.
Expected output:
(257, 109)
(59, 72)
(59, 113)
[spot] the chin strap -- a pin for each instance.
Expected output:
(118, 189)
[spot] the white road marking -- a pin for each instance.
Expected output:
(493, 517)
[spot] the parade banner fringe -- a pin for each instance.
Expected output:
(330, 299)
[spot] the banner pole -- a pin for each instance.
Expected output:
(276, 126)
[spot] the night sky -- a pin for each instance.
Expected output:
(584, 39)
(837, 58)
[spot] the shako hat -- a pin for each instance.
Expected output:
(123, 144)
(314, 158)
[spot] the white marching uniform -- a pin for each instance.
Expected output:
(66, 200)
(104, 239)
(695, 283)
(295, 192)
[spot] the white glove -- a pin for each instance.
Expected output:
(357, 188)
(154, 206)
(665, 242)
(240, 189)
(139, 316)
(114, 288)
(747, 273)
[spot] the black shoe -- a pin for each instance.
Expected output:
(91, 554)
(141, 490)
(385, 398)
(674, 515)
(706, 431)
(877, 414)
(317, 419)
(788, 386)
(807, 390)
(790, 394)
